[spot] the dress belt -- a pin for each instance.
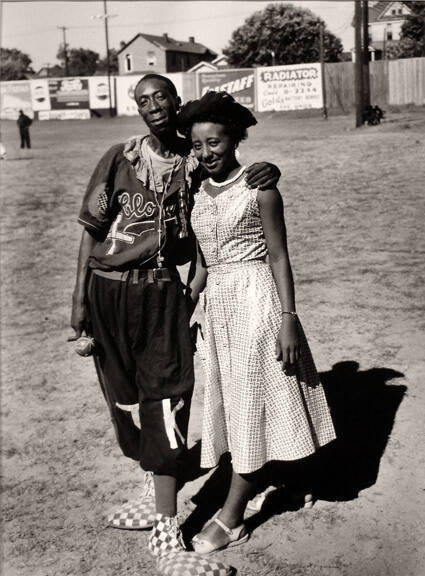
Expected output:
(151, 275)
(238, 266)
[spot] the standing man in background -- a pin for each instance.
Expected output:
(24, 122)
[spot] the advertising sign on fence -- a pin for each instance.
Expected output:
(125, 92)
(69, 93)
(295, 87)
(125, 85)
(238, 82)
(77, 114)
(15, 96)
(99, 92)
(40, 96)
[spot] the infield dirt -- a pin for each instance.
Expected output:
(354, 203)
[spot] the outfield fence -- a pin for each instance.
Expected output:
(392, 82)
(274, 88)
(406, 81)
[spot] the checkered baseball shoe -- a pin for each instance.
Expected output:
(137, 514)
(165, 536)
(183, 563)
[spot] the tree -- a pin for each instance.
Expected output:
(281, 34)
(14, 64)
(412, 34)
(81, 61)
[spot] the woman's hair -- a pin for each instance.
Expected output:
(218, 108)
(172, 89)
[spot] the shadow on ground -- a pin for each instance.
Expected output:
(363, 407)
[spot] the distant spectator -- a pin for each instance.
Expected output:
(24, 122)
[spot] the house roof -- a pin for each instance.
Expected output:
(378, 45)
(167, 43)
(203, 67)
(50, 71)
(220, 58)
(377, 12)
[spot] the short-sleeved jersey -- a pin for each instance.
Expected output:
(121, 212)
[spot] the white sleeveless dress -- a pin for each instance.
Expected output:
(251, 407)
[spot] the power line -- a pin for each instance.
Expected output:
(344, 26)
(132, 25)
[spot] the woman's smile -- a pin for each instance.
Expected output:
(214, 149)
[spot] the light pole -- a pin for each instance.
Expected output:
(105, 17)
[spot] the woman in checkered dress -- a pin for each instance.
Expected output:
(263, 400)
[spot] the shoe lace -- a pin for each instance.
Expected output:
(148, 489)
(175, 531)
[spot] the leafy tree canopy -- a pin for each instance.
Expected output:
(412, 35)
(81, 61)
(281, 34)
(14, 64)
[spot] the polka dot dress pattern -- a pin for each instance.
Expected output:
(251, 407)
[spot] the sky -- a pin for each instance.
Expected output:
(33, 26)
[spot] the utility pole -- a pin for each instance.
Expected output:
(358, 69)
(322, 68)
(366, 54)
(384, 44)
(65, 48)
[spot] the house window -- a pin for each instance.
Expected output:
(393, 12)
(128, 62)
(151, 58)
(400, 10)
(389, 32)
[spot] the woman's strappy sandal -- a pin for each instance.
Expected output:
(235, 536)
(305, 499)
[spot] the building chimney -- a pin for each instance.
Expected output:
(192, 39)
(165, 36)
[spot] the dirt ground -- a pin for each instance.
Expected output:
(354, 209)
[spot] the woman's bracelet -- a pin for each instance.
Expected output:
(289, 312)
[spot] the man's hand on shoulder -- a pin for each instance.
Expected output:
(262, 175)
